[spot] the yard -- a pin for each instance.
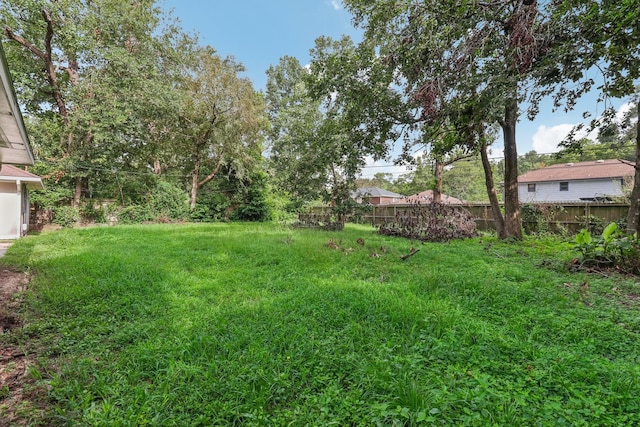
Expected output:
(259, 324)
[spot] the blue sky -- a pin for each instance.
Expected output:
(259, 32)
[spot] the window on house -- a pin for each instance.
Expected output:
(564, 186)
(531, 188)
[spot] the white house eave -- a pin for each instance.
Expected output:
(31, 183)
(14, 143)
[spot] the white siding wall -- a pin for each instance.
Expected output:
(550, 191)
(9, 211)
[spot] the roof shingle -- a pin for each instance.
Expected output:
(14, 172)
(598, 169)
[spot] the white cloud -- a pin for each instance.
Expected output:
(624, 109)
(337, 4)
(546, 139)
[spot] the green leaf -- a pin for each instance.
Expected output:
(609, 231)
(584, 237)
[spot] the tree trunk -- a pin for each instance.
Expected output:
(512, 220)
(77, 192)
(437, 189)
(194, 183)
(633, 218)
(491, 192)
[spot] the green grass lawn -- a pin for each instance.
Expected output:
(258, 324)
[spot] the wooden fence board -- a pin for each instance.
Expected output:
(570, 216)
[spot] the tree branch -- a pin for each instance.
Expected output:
(410, 254)
(211, 175)
(20, 40)
(49, 35)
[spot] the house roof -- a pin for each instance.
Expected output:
(374, 192)
(12, 173)
(598, 169)
(427, 197)
(14, 143)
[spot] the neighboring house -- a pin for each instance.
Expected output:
(599, 180)
(15, 184)
(14, 150)
(375, 196)
(427, 197)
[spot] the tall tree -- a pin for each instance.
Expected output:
(221, 120)
(441, 56)
(314, 151)
(599, 35)
(89, 72)
(295, 118)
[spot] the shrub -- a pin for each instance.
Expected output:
(65, 216)
(167, 202)
(92, 213)
(201, 213)
(435, 222)
(211, 206)
(282, 208)
(538, 219)
(593, 224)
(611, 249)
(254, 205)
(134, 214)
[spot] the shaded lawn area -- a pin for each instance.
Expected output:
(258, 324)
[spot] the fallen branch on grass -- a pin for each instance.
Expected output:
(404, 257)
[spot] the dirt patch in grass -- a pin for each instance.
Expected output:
(630, 300)
(18, 389)
(12, 284)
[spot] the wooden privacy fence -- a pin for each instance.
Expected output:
(570, 216)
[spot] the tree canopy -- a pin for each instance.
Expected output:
(118, 96)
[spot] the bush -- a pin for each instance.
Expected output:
(211, 206)
(65, 216)
(435, 222)
(282, 208)
(167, 201)
(611, 249)
(593, 224)
(90, 213)
(201, 213)
(254, 205)
(538, 219)
(134, 214)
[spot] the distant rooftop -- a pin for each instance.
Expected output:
(374, 192)
(595, 169)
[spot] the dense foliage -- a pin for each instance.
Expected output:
(611, 250)
(122, 104)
